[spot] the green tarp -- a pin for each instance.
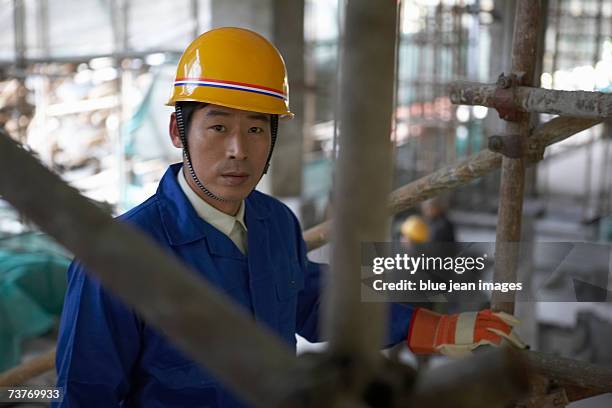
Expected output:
(32, 287)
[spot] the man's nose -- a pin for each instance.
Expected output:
(236, 146)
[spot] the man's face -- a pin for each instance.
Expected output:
(228, 149)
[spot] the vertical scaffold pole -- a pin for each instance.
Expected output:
(524, 50)
(363, 173)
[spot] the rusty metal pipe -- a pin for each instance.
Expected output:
(355, 328)
(568, 371)
(512, 185)
(28, 370)
(581, 104)
(490, 379)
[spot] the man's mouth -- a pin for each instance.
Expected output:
(235, 177)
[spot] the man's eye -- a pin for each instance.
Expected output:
(218, 128)
(255, 130)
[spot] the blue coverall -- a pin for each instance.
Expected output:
(107, 356)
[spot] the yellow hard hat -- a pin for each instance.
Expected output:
(233, 67)
(415, 229)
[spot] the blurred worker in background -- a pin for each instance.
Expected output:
(414, 231)
(441, 229)
(229, 93)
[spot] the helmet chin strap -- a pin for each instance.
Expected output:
(273, 133)
(180, 123)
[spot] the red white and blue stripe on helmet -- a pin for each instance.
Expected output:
(238, 86)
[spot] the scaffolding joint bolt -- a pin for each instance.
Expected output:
(504, 97)
(508, 145)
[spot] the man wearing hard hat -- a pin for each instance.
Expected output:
(229, 93)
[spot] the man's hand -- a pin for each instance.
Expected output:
(459, 334)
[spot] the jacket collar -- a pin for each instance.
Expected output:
(180, 220)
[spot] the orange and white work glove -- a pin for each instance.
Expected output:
(457, 335)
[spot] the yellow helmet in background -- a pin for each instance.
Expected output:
(236, 68)
(415, 229)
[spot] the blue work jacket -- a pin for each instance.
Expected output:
(108, 356)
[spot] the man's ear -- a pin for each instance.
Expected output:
(174, 132)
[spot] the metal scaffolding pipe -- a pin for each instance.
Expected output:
(573, 372)
(581, 104)
(355, 328)
(163, 291)
(20, 41)
(490, 379)
(28, 370)
(19, 28)
(451, 177)
(512, 185)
